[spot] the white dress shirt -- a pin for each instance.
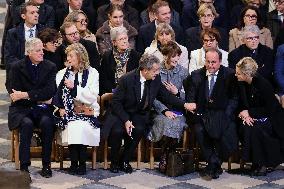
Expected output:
(209, 75)
(28, 33)
(142, 81)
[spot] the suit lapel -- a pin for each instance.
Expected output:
(218, 83)
(21, 35)
(42, 71)
(24, 70)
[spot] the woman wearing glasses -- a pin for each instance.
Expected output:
(115, 19)
(249, 16)
(80, 19)
(211, 38)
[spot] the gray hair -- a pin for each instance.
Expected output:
(116, 31)
(215, 50)
(250, 29)
(30, 43)
(247, 66)
(165, 28)
(147, 61)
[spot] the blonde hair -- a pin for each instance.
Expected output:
(30, 43)
(81, 53)
(164, 28)
(247, 66)
(204, 7)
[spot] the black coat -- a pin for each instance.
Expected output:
(262, 103)
(264, 59)
(147, 32)
(108, 68)
(193, 38)
(127, 96)
(130, 15)
(46, 16)
(15, 44)
(273, 23)
(91, 48)
(217, 112)
(39, 90)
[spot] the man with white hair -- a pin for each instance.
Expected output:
(31, 87)
(262, 54)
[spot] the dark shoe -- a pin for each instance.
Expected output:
(82, 170)
(114, 168)
(126, 167)
(208, 173)
(218, 171)
(163, 163)
(73, 170)
(262, 171)
(25, 169)
(46, 172)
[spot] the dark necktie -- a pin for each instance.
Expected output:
(31, 33)
(211, 84)
(146, 95)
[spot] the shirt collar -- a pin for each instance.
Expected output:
(280, 13)
(142, 78)
(208, 74)
(27, 28)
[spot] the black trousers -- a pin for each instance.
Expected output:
(78, 152)
(46, 124)
(211, 148)
(118, 132)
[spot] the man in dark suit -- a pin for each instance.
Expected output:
(129, 112)
(70, 34)
(31, 87)
(15, 42)
(130, 14)
(213, 104)
(275, 18)
(147, 32)
(68, 6)
(262, 54)
(46, 14)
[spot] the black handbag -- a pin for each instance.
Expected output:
(180, 163)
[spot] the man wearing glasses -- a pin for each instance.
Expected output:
(275, 18)
(262, 54)
(70, 35)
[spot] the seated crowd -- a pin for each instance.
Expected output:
(216, 67)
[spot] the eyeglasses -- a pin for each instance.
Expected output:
(73, 34)
(206, 16)
(254, 38)
(211, 40)
(251, 16)
(83, 21)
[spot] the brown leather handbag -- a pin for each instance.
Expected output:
(81, 108)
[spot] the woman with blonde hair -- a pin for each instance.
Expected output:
(164, 34)
(262, 119)
(77, 106)
(207, 14)
(80, 19)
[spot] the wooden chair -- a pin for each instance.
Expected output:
(106, 99)
(15, 142)
(61, 150)
(184, 147)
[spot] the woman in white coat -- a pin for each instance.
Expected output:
(76, 100)
(210, 38)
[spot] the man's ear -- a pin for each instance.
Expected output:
(23, 16)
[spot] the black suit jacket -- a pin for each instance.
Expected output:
(91, 48)
(40, 90)
(147, 33)
(197, 91)
(193, 38)
(46, 16)
(264, 59)
(128, 95)
(108, 68)
(15, 44)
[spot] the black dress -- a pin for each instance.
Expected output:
(261, 143)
